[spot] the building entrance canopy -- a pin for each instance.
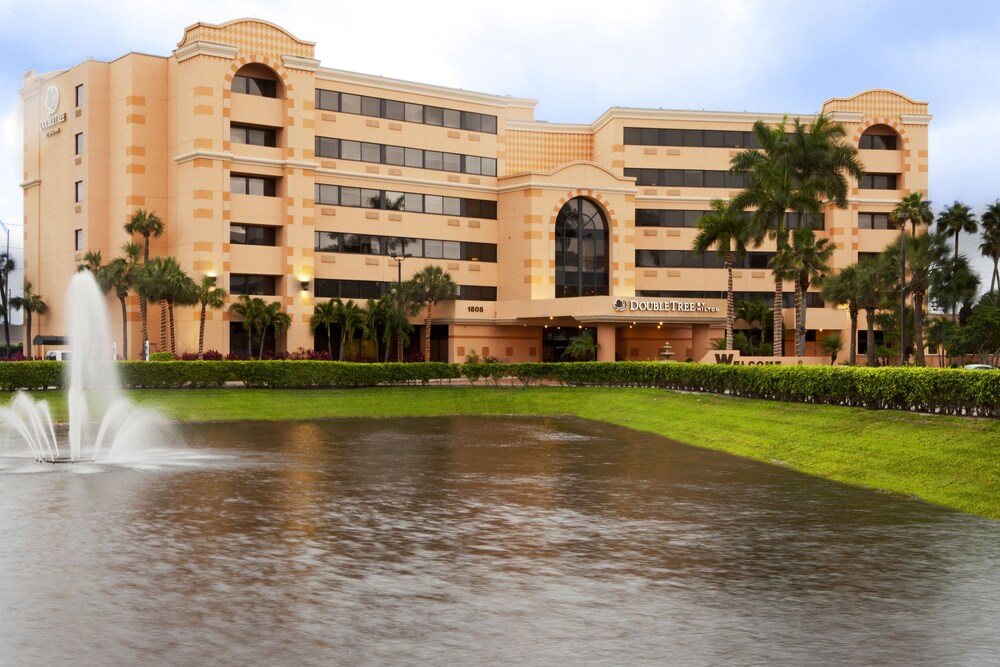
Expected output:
(614, 310)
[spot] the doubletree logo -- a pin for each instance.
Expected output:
(620, 305)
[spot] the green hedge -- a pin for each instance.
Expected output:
(931, 390)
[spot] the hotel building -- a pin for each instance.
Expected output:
(297, 182)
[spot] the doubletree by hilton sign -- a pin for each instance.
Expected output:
(48, 126)
(625, 305)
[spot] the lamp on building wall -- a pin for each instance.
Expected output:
(305, 285)
(399, 302)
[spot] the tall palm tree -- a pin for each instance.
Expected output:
(208, 295)
(755, 314)
(351, 319)
(151, 285)
(917, 210)
(429, 286)
(923, 253)
(325, 315)
(938, 332)
(806, 262)
(275, 319)
(796, 171)
(726, 229)
(146, 224)
(7, 266)
(379, 322)
(842, 289)
(120, 275)
(30, 303)
(253, 311)
(990, 247)
(954, 285)
(178, 289)
(956, 219)
(873, 278)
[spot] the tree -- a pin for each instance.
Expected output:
(726, 229)
(351, 319)
(30, 303)
(325, 316)
(990, 247)
(842, 289)
(956, 219)
(938, 333)
(380, 322)
(208, 296)
(915, 209)
(119, 275)
(921, 256)
(832, 345)
(954, 285)
(756, 314)
(429, 286)
(277, 320)
(7, 265)
(253, 311)
(873, 279)
(583, 347)
(152, 286)
(146, 224)
(179, 289)
(805, 261)
(794, 171)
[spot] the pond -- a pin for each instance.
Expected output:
(479, 541)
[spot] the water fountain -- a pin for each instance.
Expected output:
(103, 425)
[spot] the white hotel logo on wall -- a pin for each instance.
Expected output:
(48, 126)
(622, 305)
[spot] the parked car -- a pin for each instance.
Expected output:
(979, 367)
(57, 355)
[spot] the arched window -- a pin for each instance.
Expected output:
(879, 138)
(259, 80)
(581, 250)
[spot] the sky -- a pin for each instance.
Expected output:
(580, 57)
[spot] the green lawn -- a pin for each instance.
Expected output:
(949, 461)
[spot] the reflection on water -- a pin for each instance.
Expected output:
(480, 541)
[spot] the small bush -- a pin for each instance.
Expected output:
(161, 356)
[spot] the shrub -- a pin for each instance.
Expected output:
(161, 356)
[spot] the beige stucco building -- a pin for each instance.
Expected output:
(298, 182)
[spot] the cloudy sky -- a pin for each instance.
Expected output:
(577, 58)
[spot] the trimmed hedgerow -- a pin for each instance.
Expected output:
(31, 375)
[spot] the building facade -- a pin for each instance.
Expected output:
(299, 183)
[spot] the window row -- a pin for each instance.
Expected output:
(687, 259)
(253, 85)
(879, 182)
(253, 135)
(688, 178)
(650, 217)
(335, 195)
(330, 100)
(253, 284)
(326, 288)
(245, 184)
(370, 244)
(651, 136)
(813, 299)
(405, 157)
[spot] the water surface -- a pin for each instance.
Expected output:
(479, 541)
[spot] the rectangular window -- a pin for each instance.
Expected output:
(327, 147)
(395, 110)
(244, 283)
(878, 142)
(253, 235)
(413, 113)
(77, 239)
(472, 121)
(78, 143)
(433, 115)
(878, 182)
(327, 100)
(371, 152)
(452, 162)
(350, 150)
(252, 85)
(433, 160)
(78, 191)
(350, 103)
(327, 194)
(241, 184)
(873, 221)
(371, 106)
(452, 118)
(254, 136)
(79, 95)
(395, 155)
(327, 242)
(414, 157)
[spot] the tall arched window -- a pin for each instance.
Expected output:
(581, 250)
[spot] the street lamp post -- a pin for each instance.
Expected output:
(399, 302)
(6, 291)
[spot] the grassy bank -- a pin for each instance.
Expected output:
(949, 461)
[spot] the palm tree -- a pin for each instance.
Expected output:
(832, 345)
(842, 289)
(277, 320)
(938, 333)
(429, 286)
(956, 219)
(351, 319)
(990, 247)
(7, 266)
(146, 224)
(151, 285)
(583, 347)
(755, 314)
(726, 229)
(325, 315)
(179, 289)
(922, 253)
(30, 303)
(805, 261)
(954, 285)
(208, 296)
(253, 311)
(119, 275)
(792, 172)
(872, 281)
(917, 210)
(380, 321)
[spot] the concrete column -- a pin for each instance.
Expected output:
(700, 341)
(606, 340)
